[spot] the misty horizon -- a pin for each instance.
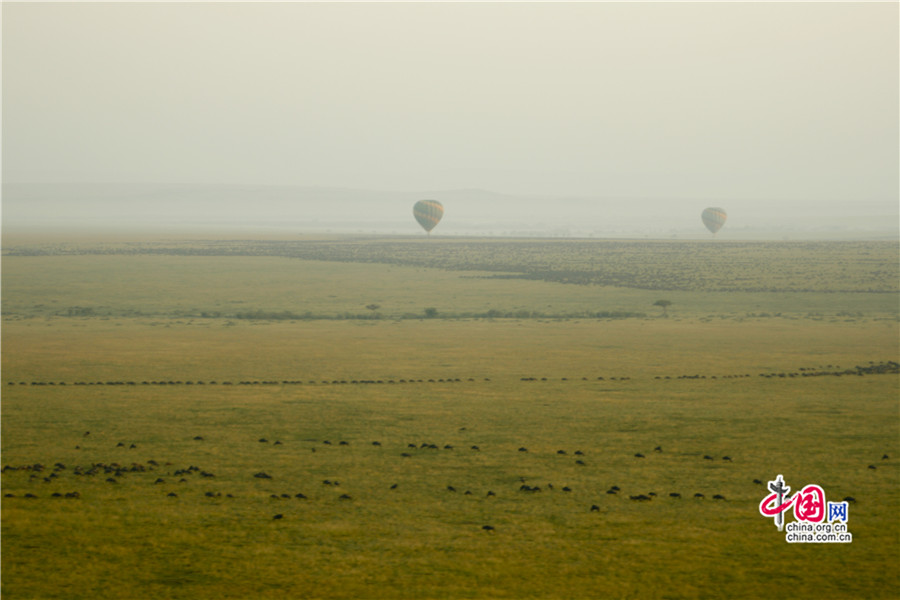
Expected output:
(297, 210)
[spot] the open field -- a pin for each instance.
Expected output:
(194, 359)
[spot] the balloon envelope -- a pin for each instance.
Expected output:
(714, 218)
(428, 213)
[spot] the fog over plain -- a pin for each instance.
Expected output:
(583, 119)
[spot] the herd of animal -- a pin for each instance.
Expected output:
(873, 368)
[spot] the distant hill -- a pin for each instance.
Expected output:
(468, 212)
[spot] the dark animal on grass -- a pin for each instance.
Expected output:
(639, 455)
(674, 495)
(595, 508)
(699, 495)
(718, 497)
(278, 516)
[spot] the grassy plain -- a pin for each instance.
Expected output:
(703, 381)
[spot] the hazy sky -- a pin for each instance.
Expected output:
(729, 100)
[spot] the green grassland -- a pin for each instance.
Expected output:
(151, 345)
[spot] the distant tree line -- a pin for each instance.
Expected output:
(750, 266)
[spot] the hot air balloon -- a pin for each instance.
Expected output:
(714, 218)
(428, 213)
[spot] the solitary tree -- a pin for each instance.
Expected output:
(430, 312)
(665, 305)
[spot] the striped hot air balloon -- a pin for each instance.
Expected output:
(428, 213)
(714, 218)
